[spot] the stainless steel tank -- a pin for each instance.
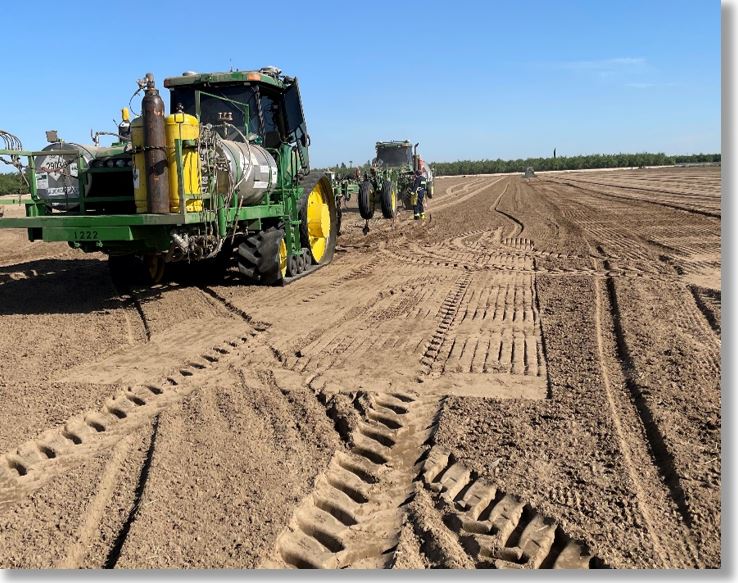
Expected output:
(252, 171)
(57, 175)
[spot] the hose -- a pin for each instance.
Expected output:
(13, 142)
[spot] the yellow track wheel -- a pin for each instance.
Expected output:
(283, 257)
(319, 220)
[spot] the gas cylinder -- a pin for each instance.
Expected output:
(155, 143)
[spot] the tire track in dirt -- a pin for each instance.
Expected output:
(220, 299)
(94, 514)
(448, 312)
(55, 451)
(354, 516)
(654, 440)
(708, 302)
(632, 199)
(682, 195)
(662, 455)
(517, 227)
(642, 498)
(120, 539)
(468, 190)
(363, 530)
(498, 529)
(516, 255)
(134, 300)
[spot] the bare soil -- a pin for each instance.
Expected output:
(529, 378)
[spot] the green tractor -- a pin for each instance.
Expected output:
(391, 177)
(224, 180)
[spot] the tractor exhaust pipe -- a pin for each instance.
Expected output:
(155, 144)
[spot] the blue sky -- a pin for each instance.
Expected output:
(468, 80)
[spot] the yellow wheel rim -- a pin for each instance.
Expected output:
(283, 258)
(394, 200)
(318, 220)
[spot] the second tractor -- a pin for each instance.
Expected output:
(390, 179)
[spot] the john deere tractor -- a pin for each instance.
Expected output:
(391, 177)
(223, 179)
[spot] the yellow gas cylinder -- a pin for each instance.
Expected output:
(182, 126)
(140, 194)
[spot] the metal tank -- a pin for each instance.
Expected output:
(57, 175)
(155, 144)
(251, 173)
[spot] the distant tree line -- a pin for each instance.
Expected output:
(11, 183)
(568, 163)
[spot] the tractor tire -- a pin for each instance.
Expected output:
(259, 257)
(318, 218)
(366, 205)
(389, 200)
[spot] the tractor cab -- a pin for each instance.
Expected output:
(261, 107)
(394, 154)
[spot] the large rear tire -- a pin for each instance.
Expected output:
(389, 200)
(262, 258)
(318, 218)
(366, 205)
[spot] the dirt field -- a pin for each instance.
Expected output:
(530, 378)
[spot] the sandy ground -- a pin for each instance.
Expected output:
(529, 378)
